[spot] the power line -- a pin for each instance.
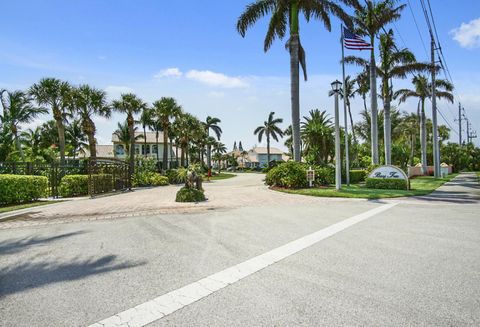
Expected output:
(418, 29)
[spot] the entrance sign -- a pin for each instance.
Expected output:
(388, 172)
(310, 176)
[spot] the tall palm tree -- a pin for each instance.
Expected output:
(349, 92)
(18, 109)
(164, 110)
(146, 120)
(289, 139)
(409, 129)
(285, 14)
(90, 102)
(57, 95)
(123, 134)
(270, 129)
(422, 90)
(370, 19)
(211, 123)
(131, 105)
(317, 134)
(219, 149)
(76, 138)
(32, 139)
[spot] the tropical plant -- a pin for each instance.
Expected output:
(76, 138)
(123, 134)
(146, 120)
(270, 129)
(219, 149)
(211, 123)
(285, 14)
(130, 104)
(18, 109)
(56, 95)
(422, 90)
(370, 19)
(317, 135)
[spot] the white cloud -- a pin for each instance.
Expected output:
(169, 72)
(216, 79)
(114, 91)
(468, 34)
(216, 94)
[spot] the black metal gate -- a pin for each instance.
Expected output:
(107, 175)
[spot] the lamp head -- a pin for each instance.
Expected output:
(336, 86)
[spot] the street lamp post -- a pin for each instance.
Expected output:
(336, 89)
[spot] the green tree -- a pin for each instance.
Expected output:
(270, 129)
(130, 104)
(211, 123)
(146, 120)
(76, 138)
(56, 95)
(317, 135)
(285, 14)
(18, 109)
(123, 134)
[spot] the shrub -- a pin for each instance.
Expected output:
(158, 180)
(324, 175)
(387, 183)
(290, 174)
(186, 194)
(22, 188)
(177, 176)
(357, 176)
(77, 185)
(149, 179)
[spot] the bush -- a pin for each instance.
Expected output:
(158, 180)
(357, 176)
(177, 176)
(290, 174)
(77, 185)
(149, 179)
(387, 183)
(22, 188)
(324, 175)
(186, 194)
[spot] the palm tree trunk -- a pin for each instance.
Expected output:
(412, 148)
(165, 149)
(61, 134)
(156, 143)
(294, 44)
(351, 124)
(268, 150)
(374, 105)
(423, 137)
(182, 159)
(131, 131)
(17, 144)
(92, 143)
(387, 127)
(145, 139)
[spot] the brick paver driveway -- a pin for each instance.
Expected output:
(243, 190)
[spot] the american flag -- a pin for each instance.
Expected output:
(353, 41)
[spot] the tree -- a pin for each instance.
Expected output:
(18, 109)
(370, 19)
(146, 120)
(409, 128)
(270, 129)
(349, 92)
(422, 90)
(57, 95)
(32, 138)
(130, 105)
(123, 134)
(76, 138)
(285, 14)
(90, 102)
(164, 110)
(219, 149)
(317, 135)
(211, 123)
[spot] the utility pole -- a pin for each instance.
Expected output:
(468, 130)
(459, 124)
(436, 150)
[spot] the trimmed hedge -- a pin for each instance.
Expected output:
(387, 183)
(77, 185)
(357, 176)
(186, 194)
(22, 188)
(291, 174)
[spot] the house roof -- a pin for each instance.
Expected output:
(263, 150)
(103, 151)
(151, 137)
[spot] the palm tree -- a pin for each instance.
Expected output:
(409, 129)
(285, 14)
(370, 20)
(76, 137)
(164, 110)
(146, 121)
(57, 95)
(349, 91)
(211, 123)
(18, 109)
(130, 104)
(289, 139)
(422, 90)
(317, 134)
(219, 149)
(271, 130)
(123, 134)
(90, 102)
(32, 139)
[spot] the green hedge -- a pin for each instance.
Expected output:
(77, 185)
(22, 188)
(387, 183)
(186, 194)
(291, 174)
(357, 176)
(149, 179)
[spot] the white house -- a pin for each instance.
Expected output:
(257, 157)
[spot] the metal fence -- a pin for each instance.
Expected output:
(108, 175)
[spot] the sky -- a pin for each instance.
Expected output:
(190, 50)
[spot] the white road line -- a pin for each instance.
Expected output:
(166, 304)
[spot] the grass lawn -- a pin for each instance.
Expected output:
(419, 186)
(13, 207)
(219, 176)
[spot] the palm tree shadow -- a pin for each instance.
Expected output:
(14, 246)
(29, 275)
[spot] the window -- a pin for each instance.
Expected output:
(119, 150)
(147, 148)
(154, 149)
(137, 149)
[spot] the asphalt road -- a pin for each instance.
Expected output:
(417, 263)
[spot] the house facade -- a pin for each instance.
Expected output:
(148, 147)
(257, 157)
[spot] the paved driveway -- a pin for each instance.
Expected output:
(281, 261)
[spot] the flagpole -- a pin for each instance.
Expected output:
(347, 159)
